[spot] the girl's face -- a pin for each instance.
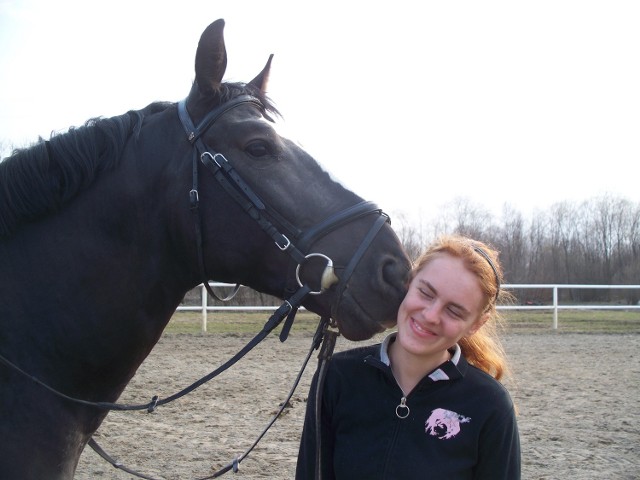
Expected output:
(443, 304)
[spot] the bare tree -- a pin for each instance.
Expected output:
(511, 243)
(563, 236)
(468, 218)
(410, 235)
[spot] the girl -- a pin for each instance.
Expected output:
(426, 402)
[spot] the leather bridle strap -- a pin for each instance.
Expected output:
(230, 181)
(336, 221)
(228, 178)
(114, 463)
(194, 132)
(326, 352)
(355, 259)
(193, 135)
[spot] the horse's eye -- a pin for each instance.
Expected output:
(258, 149)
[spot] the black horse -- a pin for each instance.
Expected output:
(103, 229)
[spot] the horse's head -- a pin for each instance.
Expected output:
(290, 218)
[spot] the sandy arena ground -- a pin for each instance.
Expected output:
(578, 396)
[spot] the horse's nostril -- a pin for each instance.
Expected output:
(394, 273)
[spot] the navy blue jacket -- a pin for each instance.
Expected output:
(460, 423)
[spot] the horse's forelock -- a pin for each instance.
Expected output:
(230, 90)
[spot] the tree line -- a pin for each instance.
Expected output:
(596, 242)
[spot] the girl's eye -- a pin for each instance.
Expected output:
(455, 313)
(426, 293)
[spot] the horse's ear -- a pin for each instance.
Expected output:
(260, 82)
(211, 57)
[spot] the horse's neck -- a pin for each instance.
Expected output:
(98, 305)
(103, 288)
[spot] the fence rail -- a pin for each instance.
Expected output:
(555, 306)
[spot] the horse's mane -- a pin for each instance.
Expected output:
(40, 179)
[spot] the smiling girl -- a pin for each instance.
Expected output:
(426, 402)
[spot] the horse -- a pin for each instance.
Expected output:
(105, 227)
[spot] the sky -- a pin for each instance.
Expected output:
(410, 104)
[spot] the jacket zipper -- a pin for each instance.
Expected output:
(402, 410)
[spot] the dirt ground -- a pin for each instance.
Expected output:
(578, 397)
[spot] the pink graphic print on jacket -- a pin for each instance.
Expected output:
(444, 424)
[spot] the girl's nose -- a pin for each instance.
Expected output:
(430, 312)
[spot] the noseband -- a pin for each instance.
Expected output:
(298, 243)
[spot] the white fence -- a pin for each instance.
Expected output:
(555, 306)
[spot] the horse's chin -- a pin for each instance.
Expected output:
(357, 333)
(359, 314)
(356, 324)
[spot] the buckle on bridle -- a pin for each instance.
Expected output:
(216, 158)
(194, 198)
(285, 247)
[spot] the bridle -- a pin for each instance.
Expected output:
(297, 245)
(260, 211)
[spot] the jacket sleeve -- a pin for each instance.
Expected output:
(499, 451)
(306, 466)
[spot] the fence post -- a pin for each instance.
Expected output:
(204, 308)
(555, 307)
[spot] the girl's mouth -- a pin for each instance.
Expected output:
(420, 330)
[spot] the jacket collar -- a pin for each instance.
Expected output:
(453, 368)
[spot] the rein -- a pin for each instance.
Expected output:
(324, 338)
